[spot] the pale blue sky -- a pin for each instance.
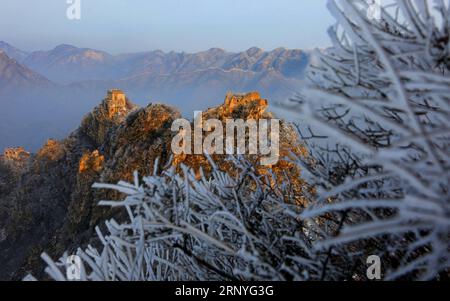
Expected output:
(188, 25)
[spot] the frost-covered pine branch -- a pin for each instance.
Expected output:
(382, 95)
(215, 228)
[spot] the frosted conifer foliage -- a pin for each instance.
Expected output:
(383, 92)
(216, 228)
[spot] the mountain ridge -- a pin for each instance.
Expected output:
(73, 59)
(189, 81)
(46, 198)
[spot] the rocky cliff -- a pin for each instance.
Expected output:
(46, 199)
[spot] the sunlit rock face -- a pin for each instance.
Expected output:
(51, 205)
(13, 163)
(248, 106)
(91, 161)
(251, 106)
(53, 150)
(16, 158)
(135, 144)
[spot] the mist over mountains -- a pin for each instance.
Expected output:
(45, 93)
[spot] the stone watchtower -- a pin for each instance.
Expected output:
(117, 102)
(117, 96)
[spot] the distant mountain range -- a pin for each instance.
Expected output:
(66, 63)
(66, 81)
(14, 76)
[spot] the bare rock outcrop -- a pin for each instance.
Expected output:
(16, 159)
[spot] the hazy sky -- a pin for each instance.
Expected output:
(189, 25)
